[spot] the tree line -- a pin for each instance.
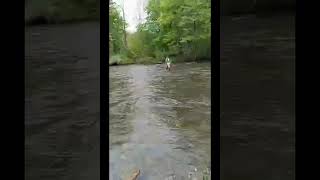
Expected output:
(180, 29)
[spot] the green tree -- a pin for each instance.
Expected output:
(178, 28)
(116, 33)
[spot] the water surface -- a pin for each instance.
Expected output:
(159, 120)
(62, 97)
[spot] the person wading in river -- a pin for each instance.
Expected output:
(168, 63)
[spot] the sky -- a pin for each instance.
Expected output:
(132, 9)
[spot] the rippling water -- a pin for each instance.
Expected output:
(257, 98)
(160, 120)
(62, 102)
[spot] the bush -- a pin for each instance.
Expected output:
(120, 60)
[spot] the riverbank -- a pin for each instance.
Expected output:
(124, 60)
(119, 60)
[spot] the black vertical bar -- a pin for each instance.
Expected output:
(215, 89)
(12, 82)
(104, 89)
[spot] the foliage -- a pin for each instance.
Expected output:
(116, 33)
(177, 28)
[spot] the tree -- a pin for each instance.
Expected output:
(116, 29)
(179, 27)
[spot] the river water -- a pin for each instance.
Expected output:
(257, 98)
(62, 97)
(160, 121)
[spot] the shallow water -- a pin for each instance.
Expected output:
(159, 120)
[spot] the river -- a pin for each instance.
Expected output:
(160, 120)
(62, 97)
(257, 97)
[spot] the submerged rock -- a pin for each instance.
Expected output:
(134, 175)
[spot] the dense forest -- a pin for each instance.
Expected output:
(180, 29)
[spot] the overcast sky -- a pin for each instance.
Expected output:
(132, 9)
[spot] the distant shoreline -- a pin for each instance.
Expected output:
(180, 62)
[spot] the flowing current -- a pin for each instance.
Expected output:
(160, 121)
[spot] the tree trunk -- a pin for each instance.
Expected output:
(194, 43)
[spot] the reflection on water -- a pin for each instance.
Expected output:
(159, 120)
